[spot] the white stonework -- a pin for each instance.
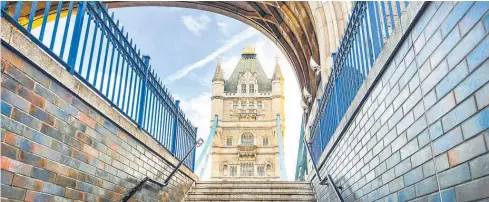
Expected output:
(245, 145)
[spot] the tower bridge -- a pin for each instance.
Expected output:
(395, 100)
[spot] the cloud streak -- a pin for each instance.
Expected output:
(244, 35)
(196, 25)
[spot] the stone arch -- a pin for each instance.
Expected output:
(247, 138)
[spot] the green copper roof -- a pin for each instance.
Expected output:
(251, 63)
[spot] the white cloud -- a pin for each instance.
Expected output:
(246, 34)
(196, 24)
(223, 27)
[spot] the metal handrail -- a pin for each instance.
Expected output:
(165, 183)
(326, 181)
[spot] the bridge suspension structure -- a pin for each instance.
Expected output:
(200, 167)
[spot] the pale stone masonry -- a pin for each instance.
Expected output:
(245, 146)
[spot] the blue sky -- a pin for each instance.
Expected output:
(177, 37)
(184, 45)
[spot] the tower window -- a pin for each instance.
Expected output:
(247, 139)
(229, 142)
(251, 105)
(261, 170)
(233, 171)
(252, 88)
(247, 169)
(265, 141)
(243, 88)
(259, 105)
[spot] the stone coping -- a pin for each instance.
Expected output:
(393, 44)
(21, 43)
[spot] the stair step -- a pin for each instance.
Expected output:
(250, 200)
(253, 185)
(251, 191)
(252, 182)
(249, 197)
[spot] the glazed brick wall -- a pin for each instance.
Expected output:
(423, 132)
(56, 147)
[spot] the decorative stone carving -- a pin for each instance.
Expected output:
(315, 67)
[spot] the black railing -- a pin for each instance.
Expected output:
(165, 183)
(326, 181)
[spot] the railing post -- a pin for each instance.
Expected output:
(174, 130)
(75, 39)
(320, 126)
(142, 102)
(374, 29)
(193, 154)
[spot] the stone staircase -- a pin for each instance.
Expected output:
(251, 191)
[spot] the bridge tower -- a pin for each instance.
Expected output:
(247, 103)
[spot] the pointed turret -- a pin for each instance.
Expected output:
(217, 91)
(277, 73)
(218, 75)
(278, 90)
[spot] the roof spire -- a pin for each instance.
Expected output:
(218, 75)
(277, 73)
(249, 50)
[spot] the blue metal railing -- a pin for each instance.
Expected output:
(94, 48)
(370, 25)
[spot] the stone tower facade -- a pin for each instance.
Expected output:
(245, 146)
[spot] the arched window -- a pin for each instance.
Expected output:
(243, 105)
(233, 171)
(261, 171)
(229, 142)
(247, 139)
(251, 105)
(247, 169)
(251, 88)
(265, 141)
(243, 88)
(259, 104)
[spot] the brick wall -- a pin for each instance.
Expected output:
(423, 132)
(57, 147)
